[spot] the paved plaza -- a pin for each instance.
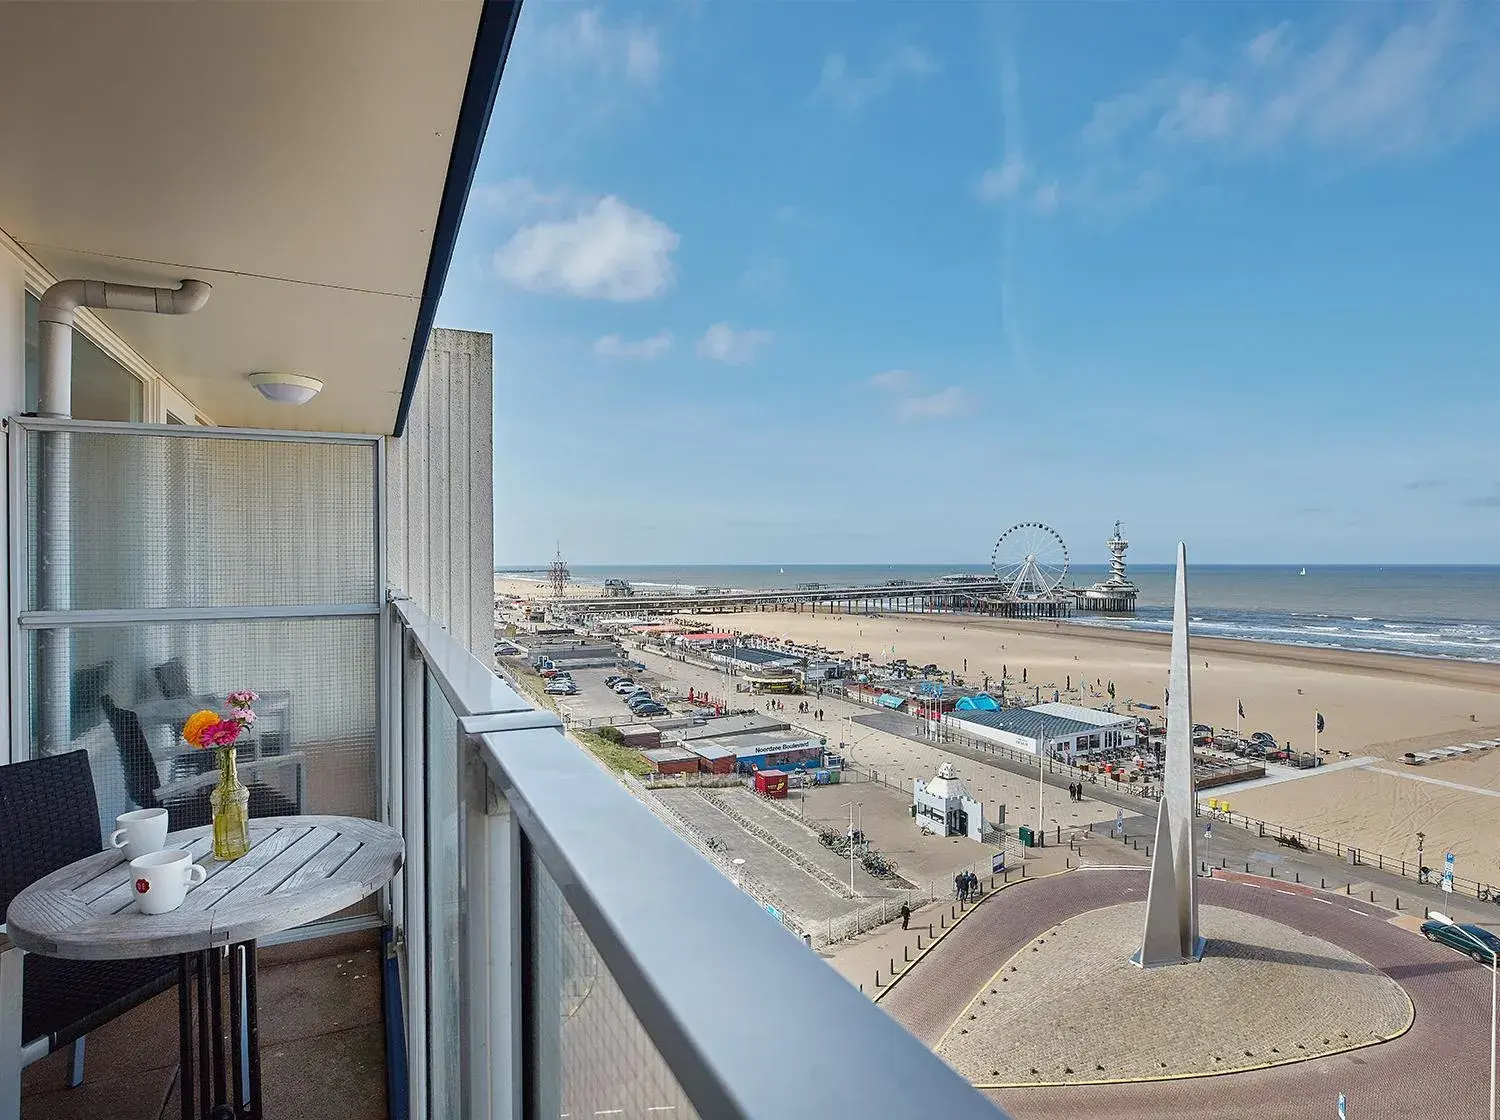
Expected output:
(1436, 1068)
(1263, 994)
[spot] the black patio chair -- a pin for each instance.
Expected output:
(48, 818)
(172, 679)
(187, 800)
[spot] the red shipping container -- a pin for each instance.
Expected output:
(772, 783)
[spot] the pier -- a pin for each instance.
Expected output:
(979, 596)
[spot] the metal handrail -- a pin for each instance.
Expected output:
(691, 954)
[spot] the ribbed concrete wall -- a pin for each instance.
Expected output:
(440, 491)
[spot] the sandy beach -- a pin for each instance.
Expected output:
(1375, 705)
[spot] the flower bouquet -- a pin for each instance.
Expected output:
(230, 799)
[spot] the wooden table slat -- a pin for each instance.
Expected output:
(225, 875)
(320, 866)
(299, 869)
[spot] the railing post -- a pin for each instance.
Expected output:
(490, 997)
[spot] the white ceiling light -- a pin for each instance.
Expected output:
(286, 388)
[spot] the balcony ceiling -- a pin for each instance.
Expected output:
(293, 155)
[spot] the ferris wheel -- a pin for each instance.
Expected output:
(1031, 560)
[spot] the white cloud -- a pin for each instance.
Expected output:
(851, 91)
(520, 197)
(634, 52)
(903, 386)
(1420, 85)
(722, 343)
(613, 346)
(1268, 45)
(608, 251)
(894, 380)
(1383, 84)
(945, 402)
(1003, 183)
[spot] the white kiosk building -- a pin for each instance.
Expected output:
(943, 805)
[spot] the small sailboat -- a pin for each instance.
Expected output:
(1303, 572)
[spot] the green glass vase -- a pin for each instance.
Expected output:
(231, 805)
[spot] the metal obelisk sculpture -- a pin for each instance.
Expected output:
(1171, 935)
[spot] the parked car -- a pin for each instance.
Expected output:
(1263, 737)
(651, 709)
(1462, 938)
(612, 680)
(640, 699)
(562, 690)
(1203, 729)
(624, 686)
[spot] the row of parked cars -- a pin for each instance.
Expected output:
(637, 696)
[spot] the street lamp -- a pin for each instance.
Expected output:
(1443, 919)
(850, 805)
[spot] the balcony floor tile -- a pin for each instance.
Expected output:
(322, 1045)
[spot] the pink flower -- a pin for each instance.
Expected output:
(221, 734)
(242, 698)
(244, 716)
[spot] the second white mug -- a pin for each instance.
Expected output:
(140, 833)
(162, 880)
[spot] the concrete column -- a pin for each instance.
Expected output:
(440, 513)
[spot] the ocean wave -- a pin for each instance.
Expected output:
(1468, 641)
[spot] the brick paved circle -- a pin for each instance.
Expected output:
(1264, 994)
(1439, 1068)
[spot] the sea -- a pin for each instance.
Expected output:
(1448, 611)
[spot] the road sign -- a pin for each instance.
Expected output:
(997, 863)
(1208, 830)
(1119, 821)
(1447, 883)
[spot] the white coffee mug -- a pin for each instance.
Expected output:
(140, 833)
(162, 880)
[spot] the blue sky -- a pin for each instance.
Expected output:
(868, 282)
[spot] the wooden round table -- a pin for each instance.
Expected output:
(298, 869)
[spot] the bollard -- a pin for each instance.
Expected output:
(1023, 871)
(1297, 876)
(1347, 886)
(919, 942)
(929, 931)
(1148, 850)
(1322, 883)
(1247, 867)
(1273, 871)
(893, 967)
(905, 954)
(1224, 863)
(1372, 896)
(953, 912)
(943, 921)
(877, 978)
(1067, 863)
(1398, 902)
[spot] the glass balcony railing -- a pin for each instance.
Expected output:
(564, 954)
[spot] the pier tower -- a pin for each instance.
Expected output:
(1115, 594)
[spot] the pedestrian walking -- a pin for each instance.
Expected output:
(905, 914)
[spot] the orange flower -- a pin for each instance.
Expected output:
(192, 730)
